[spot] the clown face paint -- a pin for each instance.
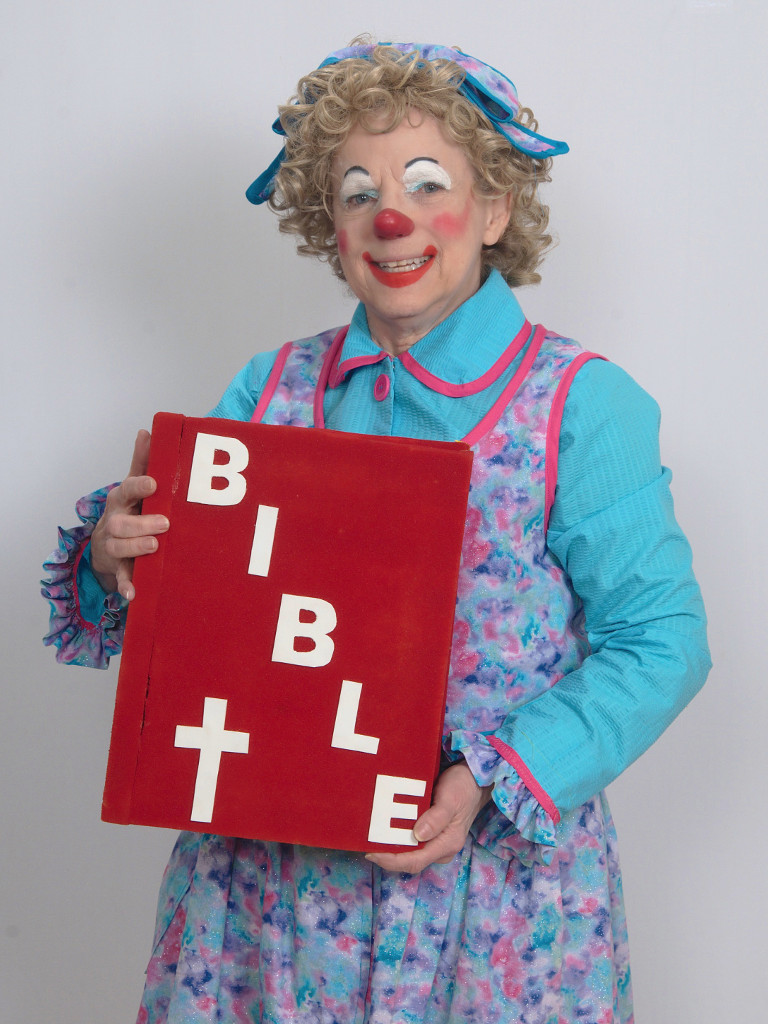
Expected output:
(426, 175)
(410, 227)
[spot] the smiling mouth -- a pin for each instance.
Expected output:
(398, 266)
(399, 273)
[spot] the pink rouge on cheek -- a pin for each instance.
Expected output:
(450, 225)
(341, 242)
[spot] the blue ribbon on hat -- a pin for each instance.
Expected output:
(485, 87)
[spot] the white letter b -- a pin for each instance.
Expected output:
(204, 471)
(289, 626)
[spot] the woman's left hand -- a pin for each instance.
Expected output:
(443, 829)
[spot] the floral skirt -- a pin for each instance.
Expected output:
(507, 932)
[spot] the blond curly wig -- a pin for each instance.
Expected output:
(377, 93)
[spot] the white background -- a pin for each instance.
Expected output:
(137, 278)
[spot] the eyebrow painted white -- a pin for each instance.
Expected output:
(355, 181)
(425, 171)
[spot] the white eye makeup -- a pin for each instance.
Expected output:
(357, 187)
(426, 175)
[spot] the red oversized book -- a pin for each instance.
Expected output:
(285, 661)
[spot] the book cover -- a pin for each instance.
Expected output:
(285, 661)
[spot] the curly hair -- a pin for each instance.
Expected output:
(377, 94)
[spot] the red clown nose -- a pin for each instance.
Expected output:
(392, 224)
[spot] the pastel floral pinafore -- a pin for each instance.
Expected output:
(526, 924)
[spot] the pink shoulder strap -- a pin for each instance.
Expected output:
(272, 381)
(329, 363)
(552, 449)
(494, 414)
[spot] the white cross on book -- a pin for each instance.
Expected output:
(213, 740)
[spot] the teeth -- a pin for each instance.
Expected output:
(395, 266)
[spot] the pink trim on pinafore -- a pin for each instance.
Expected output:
(494, 414)
(272, 381)
(331, 359)
(552, 449)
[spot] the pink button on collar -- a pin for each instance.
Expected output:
(381, 387)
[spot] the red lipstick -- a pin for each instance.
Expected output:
(401, 278)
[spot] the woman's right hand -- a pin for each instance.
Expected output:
(123, 533)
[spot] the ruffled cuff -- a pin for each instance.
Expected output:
(519, 819)
(78, 641)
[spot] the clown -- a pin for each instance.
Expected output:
(579, 630)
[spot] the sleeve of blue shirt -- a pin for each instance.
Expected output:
(614, 532)
(238, 401)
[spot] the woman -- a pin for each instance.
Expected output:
(579, 630)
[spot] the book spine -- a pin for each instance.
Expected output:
(133, 682)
